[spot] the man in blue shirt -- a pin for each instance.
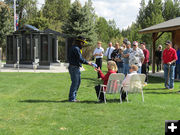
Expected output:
(177, 72)
(126, 54)
(75, 62)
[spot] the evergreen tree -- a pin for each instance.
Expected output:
(171, 9)
(5, 26)
(102, 29)
(39, 22)
(56, 9)
(81, 22)
(141, 15)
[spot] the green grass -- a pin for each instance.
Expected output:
(36, 104)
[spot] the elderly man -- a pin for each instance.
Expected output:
(169, 59)
(109, 51)
(136, 56)
(125, 55)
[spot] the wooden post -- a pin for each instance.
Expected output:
(173, 33)
(154, 36)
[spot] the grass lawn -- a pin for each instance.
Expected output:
(36, 104)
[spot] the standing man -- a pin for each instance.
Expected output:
(158, 54)
(108, 52)
(125, 55)
(75, 62)
(169, 59)
(146, 60)
(136, 56)
(177, 73)
(98, 53)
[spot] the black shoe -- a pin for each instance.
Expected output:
(101, 101)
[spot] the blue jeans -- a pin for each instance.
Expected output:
(169, 79)
(139, 69)
(177, 73)
(120, 69)
(126, 69)
(75, 74)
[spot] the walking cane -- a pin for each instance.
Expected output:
(168, 74)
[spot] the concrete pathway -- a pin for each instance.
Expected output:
(54, 69)
(159, 74)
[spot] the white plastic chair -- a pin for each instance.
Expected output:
(136, 85)
(113, 86)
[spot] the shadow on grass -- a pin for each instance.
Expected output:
(173, 92)
(41, 101)
(66, 101)
(144, 89)
(153, 79)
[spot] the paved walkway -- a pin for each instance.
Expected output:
(159, 74)
(55, 69)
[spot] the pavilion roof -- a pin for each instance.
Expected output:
(168, 26)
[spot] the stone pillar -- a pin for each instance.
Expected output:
(39, 47)
(31, 41)
(49, 49)
(14, 54)
(57, 50)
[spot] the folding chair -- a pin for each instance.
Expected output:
(136, 85)
(113, 86)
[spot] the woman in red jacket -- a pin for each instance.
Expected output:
(112, 68)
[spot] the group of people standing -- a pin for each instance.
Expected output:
(121, 59)
(124, 56)
(159, 58)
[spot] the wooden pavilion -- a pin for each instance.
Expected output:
(158, 30)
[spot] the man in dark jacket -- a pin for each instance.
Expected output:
(75, 62)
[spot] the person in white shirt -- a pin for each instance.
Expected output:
(126, 82)
(136, 56)
(133, 70)
(98, 54)
(109, 50)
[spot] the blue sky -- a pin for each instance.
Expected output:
(124, 12)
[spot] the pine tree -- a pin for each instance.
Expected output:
(102, 29)
(5, 26)
(171, 9)
(81, 22)
(141, 15)
(56, 9)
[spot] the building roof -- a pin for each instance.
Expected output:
(168, 26)
(50, 31)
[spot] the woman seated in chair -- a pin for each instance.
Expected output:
(126, 82)
(112, 68)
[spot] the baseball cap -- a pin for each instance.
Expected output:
(143, 43)
(128, 43)
(168, 42)
(82, 39)
(135, 43)
(125, 41)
